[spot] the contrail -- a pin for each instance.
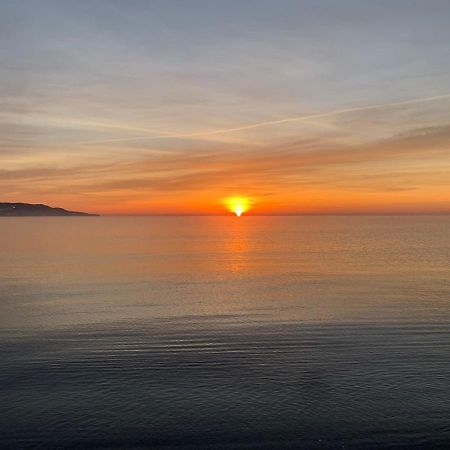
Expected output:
(336, 112)
(53, 120)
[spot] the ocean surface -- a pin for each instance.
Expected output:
(225, 333)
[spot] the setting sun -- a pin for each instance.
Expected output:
(237, 205)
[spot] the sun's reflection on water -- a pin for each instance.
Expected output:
(236, 246)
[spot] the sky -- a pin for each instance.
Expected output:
(168, 107)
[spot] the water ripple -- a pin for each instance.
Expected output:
(267, 386)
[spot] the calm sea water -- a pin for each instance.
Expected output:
(218, 332)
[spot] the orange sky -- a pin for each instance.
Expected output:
(143, 116)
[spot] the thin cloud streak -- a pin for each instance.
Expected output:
(306, 118)
(407, 166)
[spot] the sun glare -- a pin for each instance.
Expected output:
(237, 205)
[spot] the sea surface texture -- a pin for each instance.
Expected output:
(225, 333)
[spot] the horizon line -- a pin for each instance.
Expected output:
(446, 213)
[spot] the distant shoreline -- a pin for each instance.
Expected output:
(37, 210)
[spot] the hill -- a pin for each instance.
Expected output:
(26, 209)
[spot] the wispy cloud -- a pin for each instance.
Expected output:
(271, 123)
(402, 164)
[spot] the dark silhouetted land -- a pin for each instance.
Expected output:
(26, 209)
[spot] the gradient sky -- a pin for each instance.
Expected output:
(169, 106)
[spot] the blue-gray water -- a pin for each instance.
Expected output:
(218, 332)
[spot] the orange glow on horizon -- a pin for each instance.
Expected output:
(237, 205)
(311, 201)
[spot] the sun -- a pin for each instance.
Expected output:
(237, 205)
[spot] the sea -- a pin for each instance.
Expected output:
(225, 333)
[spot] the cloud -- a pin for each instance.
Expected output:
(271, 123)
(386, 165)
